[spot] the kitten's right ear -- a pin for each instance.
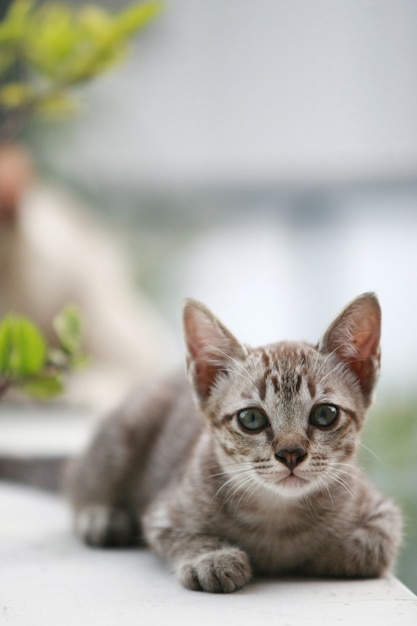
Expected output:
(211, 347)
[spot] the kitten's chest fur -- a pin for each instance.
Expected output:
(276, 545)
(278, 535)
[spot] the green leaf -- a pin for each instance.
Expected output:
(95, 20)
(15, 95)
(68, 327)
(25, 360)
(13, 27)
(19, 11)
(28, 349)
(43, 387)
(52, 39)
(22, 347)
(136, 17)
(5, 344)
(57, 105)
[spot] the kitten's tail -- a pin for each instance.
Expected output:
(42, 472)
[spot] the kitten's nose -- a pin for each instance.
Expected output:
(291, 457)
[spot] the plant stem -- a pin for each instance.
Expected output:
(16, 118)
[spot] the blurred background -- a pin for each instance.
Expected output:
(262, 157)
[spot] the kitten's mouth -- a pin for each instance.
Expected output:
(292, 481)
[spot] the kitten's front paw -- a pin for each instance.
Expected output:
(101, 526)
(220, 571)
(372, 554)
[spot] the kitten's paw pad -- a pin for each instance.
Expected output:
(98, 525)
(220, 571)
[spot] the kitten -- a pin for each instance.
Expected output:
(259, 476)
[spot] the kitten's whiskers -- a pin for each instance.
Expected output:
(336, 474)
(373, 454)
(322, 481)
(238, 478)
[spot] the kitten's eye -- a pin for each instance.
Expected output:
(324, 415)
(252, 419)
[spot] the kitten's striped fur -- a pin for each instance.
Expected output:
(220, 501)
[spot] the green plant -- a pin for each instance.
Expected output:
(47, 50)
(26, 361)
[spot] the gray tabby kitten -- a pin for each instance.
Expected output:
(258, 475)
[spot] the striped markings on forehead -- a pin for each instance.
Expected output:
(285, 366)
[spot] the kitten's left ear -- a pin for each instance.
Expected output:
(211, 347)
(354, 338)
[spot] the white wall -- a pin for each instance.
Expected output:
(259, 90)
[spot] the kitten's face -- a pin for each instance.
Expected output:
(286, 417)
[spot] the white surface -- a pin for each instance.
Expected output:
(49, 429)
(49, 578)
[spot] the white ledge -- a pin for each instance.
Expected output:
(49, 578)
